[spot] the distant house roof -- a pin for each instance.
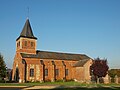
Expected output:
(27, 31)
(80, 63)
(55, 56)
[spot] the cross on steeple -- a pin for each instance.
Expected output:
(28, 13)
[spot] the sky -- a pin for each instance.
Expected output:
(90, 27)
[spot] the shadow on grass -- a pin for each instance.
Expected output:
(11, 88)
(85, 88)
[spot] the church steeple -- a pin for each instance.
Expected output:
(27, 31)
(26, 42)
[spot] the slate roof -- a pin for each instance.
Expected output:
(80, 63)
(56, 56)
(27, 31)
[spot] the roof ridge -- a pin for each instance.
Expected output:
(56, 55)
(60, 52)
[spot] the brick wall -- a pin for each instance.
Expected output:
(39, 69)
(79, 73)
(39, 65)
(26, 45)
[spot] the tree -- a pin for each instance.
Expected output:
(114, 72)
(99, 68)
(2, 67)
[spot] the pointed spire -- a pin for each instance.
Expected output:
(27, 31)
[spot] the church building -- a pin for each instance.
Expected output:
(34, 65)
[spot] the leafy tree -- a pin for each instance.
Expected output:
(99, 68)
(113, 72)
(2, 67)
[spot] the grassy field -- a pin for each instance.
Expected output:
(68, 85)
(71, 83)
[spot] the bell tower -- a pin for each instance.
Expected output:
(26, 42)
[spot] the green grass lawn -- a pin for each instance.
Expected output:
(69, 85)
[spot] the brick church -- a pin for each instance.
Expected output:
(32, 65)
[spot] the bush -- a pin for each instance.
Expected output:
(2, 81)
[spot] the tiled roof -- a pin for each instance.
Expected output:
(80, 63)
(56, 56)
(27, 31)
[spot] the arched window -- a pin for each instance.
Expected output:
(56, 72)
(18, 44)
(31, 72)
(66, 72)
(25, 43)
(32, 44)
(46, 72)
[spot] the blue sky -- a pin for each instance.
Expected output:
(90, 27)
